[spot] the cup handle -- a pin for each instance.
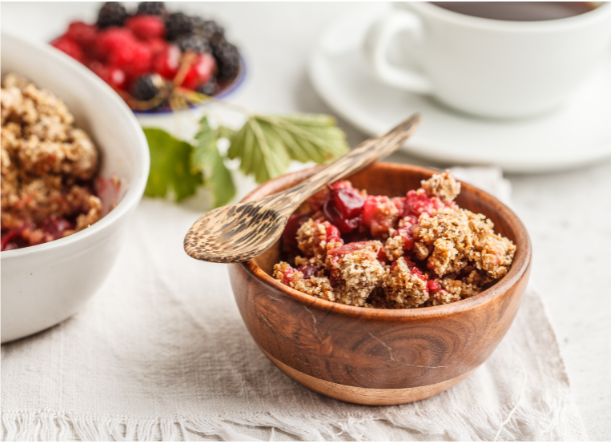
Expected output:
(376, 45)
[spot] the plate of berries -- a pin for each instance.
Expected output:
(158, 61)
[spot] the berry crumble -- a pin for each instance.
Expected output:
(373, 251)
(48, 168)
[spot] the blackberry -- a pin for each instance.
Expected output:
(152, 8)
(144, 88)
(227, 59)
(178, 24)
(209, 88)
(196, 43)
(111, 14)
(208, 28)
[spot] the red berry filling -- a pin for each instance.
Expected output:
(289, 236)
(344, 206)
(379, 214)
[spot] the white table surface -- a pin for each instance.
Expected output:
(567, 214)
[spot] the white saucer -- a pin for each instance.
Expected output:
(577, 134)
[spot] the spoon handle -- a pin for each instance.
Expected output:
(365, 154)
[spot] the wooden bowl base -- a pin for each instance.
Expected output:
(366, 396)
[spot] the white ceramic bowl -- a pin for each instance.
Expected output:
(45, 284)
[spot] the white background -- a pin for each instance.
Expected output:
(568, 214)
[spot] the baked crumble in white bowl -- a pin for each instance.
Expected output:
(44, 284)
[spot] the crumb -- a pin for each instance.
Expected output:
(355, 272)
(394, 247)
(443, 186)
(403, 287)
(316, 238)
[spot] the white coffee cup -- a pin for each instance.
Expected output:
(486, 67)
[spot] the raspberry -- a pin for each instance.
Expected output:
(111, 14)
(82, 33)
(156, 46)
(146, 26)
(135, 59)
(70, 47)
(344, 207)
(178, 24)
(112, 75)
(114, 39)
(200, 72)
(167, 62)
(152, 8)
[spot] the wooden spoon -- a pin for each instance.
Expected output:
(240, 232)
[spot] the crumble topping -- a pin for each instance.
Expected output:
(47, 167)
(355, 271)
(406, 252)
(442, 185)
(405, 287)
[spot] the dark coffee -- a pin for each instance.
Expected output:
(518, 11)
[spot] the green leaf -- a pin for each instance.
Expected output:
(226, 132)
(267, 144)
(310, 137)
(206, 158)
(170, 166)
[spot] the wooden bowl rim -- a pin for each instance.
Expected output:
(519, 266)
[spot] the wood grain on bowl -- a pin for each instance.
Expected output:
(378, 356)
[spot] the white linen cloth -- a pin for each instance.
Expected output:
(161, 352)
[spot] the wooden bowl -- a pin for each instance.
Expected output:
(378, 356)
